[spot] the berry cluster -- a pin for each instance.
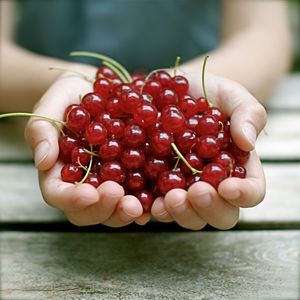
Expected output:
(147, 134)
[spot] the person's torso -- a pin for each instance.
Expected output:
(142, 34)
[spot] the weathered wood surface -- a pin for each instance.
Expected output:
(287, 94)
(21, 201)
(190, 265)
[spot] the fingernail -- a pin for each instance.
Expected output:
(204, 200)
(41, 152)
(250, 132)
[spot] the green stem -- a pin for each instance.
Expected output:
(117, 71)
(104, 58)
(176, 164)
(176, 64)
(24, 114)
(203, 83)
(88, 169)
(194, 171)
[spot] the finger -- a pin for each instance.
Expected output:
(42, 135)
(128, 210)
(181, 210)
(211, 207)
(247, 116)
(64, 195)
(160, 212)
(245, 192)
(143, 219)
(110, 193)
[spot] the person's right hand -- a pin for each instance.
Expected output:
(82, 204)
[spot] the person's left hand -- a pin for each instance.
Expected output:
(201, 204)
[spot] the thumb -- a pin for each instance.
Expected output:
(247, 121)
(42, 137)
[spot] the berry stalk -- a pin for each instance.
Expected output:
(203, 82)
(193, 170)
(105, 58)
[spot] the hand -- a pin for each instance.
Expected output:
(82, 204)
(202, 204)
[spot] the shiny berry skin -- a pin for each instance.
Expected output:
(172, 119)
(169, 180)
(192, 122)
(113, 171)
(66, 145)
(68, 109)
(130, 101)
(93, 179)
(241, 156)
(239, 171)
(111, 150)
(95, 133)
(154, 166)
(180, 85)
(103, 118)
(137, 84)
(146, 198)
(188, 106)
(114, 108)
(78, 119)
(164, 79)
(93, 103)
(207, 146)
(97, 165)
(213, 174)
(166, 97)
(147, 98)
(146, 115)
(71, 173)
(202, 105)
(80, 156)
(226, 160)
(217, 114)
(192, 179)
(185, 140)
(102, 87)
(134, 136)
(135, 180)
(106, 72)
(152, 87)
(116, 129)
(224, 139)
(160, 142)
(132, 158)
(120, 89)
(194, 160)
(207, 126)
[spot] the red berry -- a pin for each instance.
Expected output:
(180, 85)
(134, 136)
(207, 146)
(207, 125)
(102, 87)
(160, 142)
(116, 129)
(154, 166)
(106, 72)
(135, 180)
(239, 171)
(130, 101)
(71, 173)
(194, 160)
(166, 97)
(111, 150)
(78, 119)
(169, 180)
(93, 179)
(213, 174)
(80, 156)
(226, 160)
(188, 106)
(217, 114)
(96, 133)
(132, 158)
(93, 103)
(146, 198)
(66, 145)
(172, 119)
(112, 171)
(146, 115)
(202, 105)
(185, 140)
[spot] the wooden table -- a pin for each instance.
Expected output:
(44, 257)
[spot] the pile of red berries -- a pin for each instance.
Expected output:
(149, 135)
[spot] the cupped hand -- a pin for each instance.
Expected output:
(202, 204)
(82, 204)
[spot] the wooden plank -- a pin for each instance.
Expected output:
(21, 201)
(189, 265)
(281, 138)
(287, 94)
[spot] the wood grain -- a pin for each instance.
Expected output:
(190, 265)
(21, 201)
